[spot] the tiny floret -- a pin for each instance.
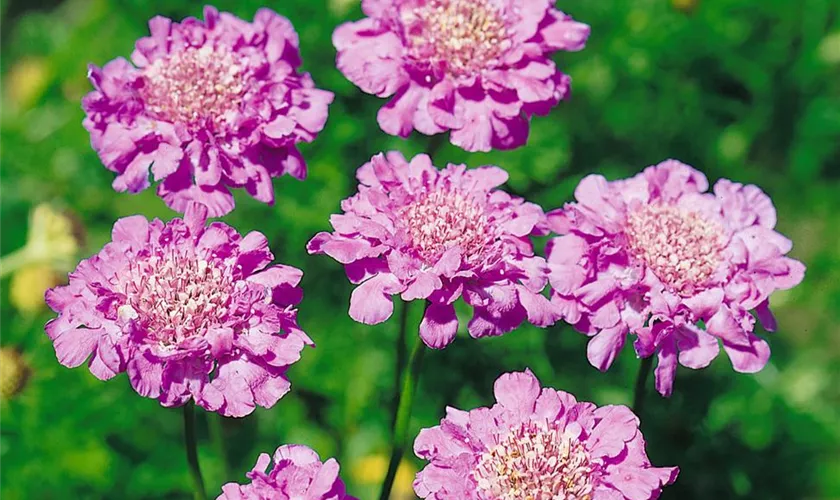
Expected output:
(537, 444)
(297, 473)
(437, 235)
(478, 68)
(658, 257)
(206, 106)
(188, 311)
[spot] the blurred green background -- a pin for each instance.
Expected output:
(745, 89)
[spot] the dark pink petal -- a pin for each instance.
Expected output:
(666, 367)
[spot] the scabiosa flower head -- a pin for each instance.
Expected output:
(188, 311)
(477, 68)
(537, 444)
(297, 473)
(207, 106)
(656, 255)
(436, 234)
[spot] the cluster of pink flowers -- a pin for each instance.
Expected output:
(477, 68)
(206, 107)
(654, 255)
(193, 312)
(438, 235)
(188, 311)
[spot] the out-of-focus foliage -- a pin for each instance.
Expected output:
(745, 89)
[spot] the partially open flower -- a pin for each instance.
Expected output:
(438, 235)
(190, 312)
(655, 255)
(297, 473)
(207, 106)
(14, 372)
(28, 284)
(537, 444)
(477, 68)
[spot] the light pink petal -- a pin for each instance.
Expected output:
(517, 392)
(605, 346)
(749, 358)
(371, 302)
(439, 325)
(616, 426)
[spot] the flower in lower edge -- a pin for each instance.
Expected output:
(537, 444)
(297, 473)
(655, 255)
(188, 311)
(478, 68)
(207, 106)
(438, 235)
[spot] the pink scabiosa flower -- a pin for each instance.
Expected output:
(207, 106)
(537, 444)
(190, 312)
(657, 256)
(298, 473)
(437, 235)
(477, 68)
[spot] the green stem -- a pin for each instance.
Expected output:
(217, 437)
(641, 380)
(402, 353)
(190, 443)
(12, 262)
(403, 416)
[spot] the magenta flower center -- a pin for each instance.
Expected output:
(536, 461)
(681, 247)
(176, 297)
(200, 87)
(464, 37)
(444, 219)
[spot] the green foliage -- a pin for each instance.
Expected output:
(743, 89)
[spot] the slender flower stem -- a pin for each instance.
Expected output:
(403, 416)
(217, 437)
(11, 262)
(641, 380)
(402, 352)
(190, 443)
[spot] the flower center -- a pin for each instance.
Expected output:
(537, 461)
(200, 87)
(444, 219)
(176, 296)
(681, 247)
(464, 36)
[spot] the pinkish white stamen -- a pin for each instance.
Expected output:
(176, 296)
(464, 36)
(444, 219)
(536, 461)
(197, 86)
(681, 247)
